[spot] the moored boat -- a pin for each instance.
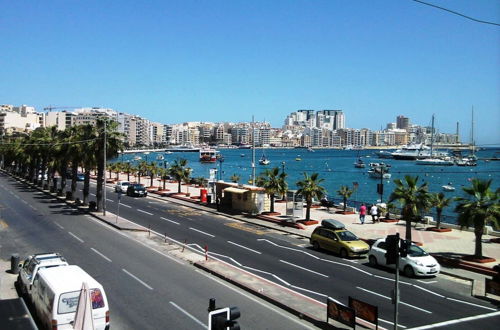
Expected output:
(208, 155)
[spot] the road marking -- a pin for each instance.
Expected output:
(465, 319)
(126, 205)
(92, 194)
(137, 279)
(139, 210)
(244, 247)
(472, 304)
(202, 232)
(109, 200)
(78, 238)
(427, 282)
(102, 255)
(311, 271)
(399, 324)
(189, 315)
(172, 221)
(58, 225)
(401, 302)
(25, 202)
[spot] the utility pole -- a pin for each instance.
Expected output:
(104, 183)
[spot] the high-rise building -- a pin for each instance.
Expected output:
(402, 122)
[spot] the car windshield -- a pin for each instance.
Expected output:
(125, 183)
(415, 251)
(347, 236)
(138, 186)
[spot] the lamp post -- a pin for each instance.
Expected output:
(283, 167)
(221, 160)
(104, 183)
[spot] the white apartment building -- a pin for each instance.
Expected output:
(20, 119)
(62, 120)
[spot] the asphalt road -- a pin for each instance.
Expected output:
(145, 289)
(291, 262)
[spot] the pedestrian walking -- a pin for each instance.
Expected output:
(374, 213)
(362, 213)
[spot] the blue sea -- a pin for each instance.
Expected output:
(336, 167)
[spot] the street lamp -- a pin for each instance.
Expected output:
(221, 160)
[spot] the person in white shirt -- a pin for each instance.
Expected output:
(374, 213)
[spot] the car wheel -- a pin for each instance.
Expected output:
(343, 253)
(373, 261)
(315, 245)
(409, 272)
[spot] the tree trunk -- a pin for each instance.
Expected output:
(308, 210)
(128, 176)
(152, 177)
(164, 181)
(438, 211)
(100, 184)
(272, 202)
(345, 204)
(74, 174)
(179, 186)
(86, 186)
(478, 232)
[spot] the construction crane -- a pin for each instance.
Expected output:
(50, 108)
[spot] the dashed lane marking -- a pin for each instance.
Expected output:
(137, 279)
(201, 232)
(189, 315)
(148, 213)
(244, 247)
(102, 255)
(172, 221)
(76, 237)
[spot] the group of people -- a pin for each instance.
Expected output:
(374, 212)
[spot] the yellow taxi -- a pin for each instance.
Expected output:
(333, 236)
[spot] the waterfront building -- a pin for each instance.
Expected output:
(20, 119)
(402, 122)
(62, 120)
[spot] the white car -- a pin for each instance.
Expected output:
(32, 265)
(121, 186)
(417, 263)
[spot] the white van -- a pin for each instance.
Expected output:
(55, 297)
(32, 265)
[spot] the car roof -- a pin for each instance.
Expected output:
(68, 278)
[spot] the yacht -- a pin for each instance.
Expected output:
(379, 171)
(447, 161)
(209, 155)
(412, 152)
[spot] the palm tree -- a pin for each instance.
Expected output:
(179, 171)
(413, 200)
(478, 208)
(153, 170)
(200, 181)
(163, 173)
(106, 129)
(310, 188)
(439, 201)
(272, 181)
(142, 169)
(127, 168)
(345, 192)
(235, 178)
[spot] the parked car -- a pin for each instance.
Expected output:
(417, 263)
(333, 236)
(31, 266)
(80, 177)
(121, 186)
(56, 294)
(136, 189)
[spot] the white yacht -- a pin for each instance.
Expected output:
(412, 152)
(447, 161)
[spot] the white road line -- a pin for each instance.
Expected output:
(172, 221)
(137, 279)
(126, 205)
(78, 238)
(472, 304)
(58, 225)
(399, 324)
(91, 194)
(102, 255)
(32, 207)
(311, 271)
(465, 319)
(427, 282)
(202, 232)
(25, 202)
(401, 302)
(109, 200)
(139, 210)
(244, 247)
(189, 315)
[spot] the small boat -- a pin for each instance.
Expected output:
(263, 159)
(435, 162)
(160, 157)
(298, 159)
(448, 188)
(209, 155)
(379, 171)
(137, 158)
(310, 149)
(242, 155)
(168, 152)
(360, 163)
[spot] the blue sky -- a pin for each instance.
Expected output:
(176, 61)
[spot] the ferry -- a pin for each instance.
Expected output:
(209, 155)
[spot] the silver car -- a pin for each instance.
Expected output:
(121, 186)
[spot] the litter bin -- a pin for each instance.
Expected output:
(203, 195)
(14, 263)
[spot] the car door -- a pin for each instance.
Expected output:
(379, 250)
(335, 242)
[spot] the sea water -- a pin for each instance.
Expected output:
(336, 168)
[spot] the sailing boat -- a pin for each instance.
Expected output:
(359, 163)
(447, 161)
(263, 159)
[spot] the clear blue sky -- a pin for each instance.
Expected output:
(175, 61)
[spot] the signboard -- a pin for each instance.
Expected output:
(340, 313)
(492, 286)
(364, 310)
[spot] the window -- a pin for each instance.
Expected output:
(68, 302)
(382, 245)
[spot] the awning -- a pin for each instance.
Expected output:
(235, 190)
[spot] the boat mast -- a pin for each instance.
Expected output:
(432, 134)
(472, 133)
